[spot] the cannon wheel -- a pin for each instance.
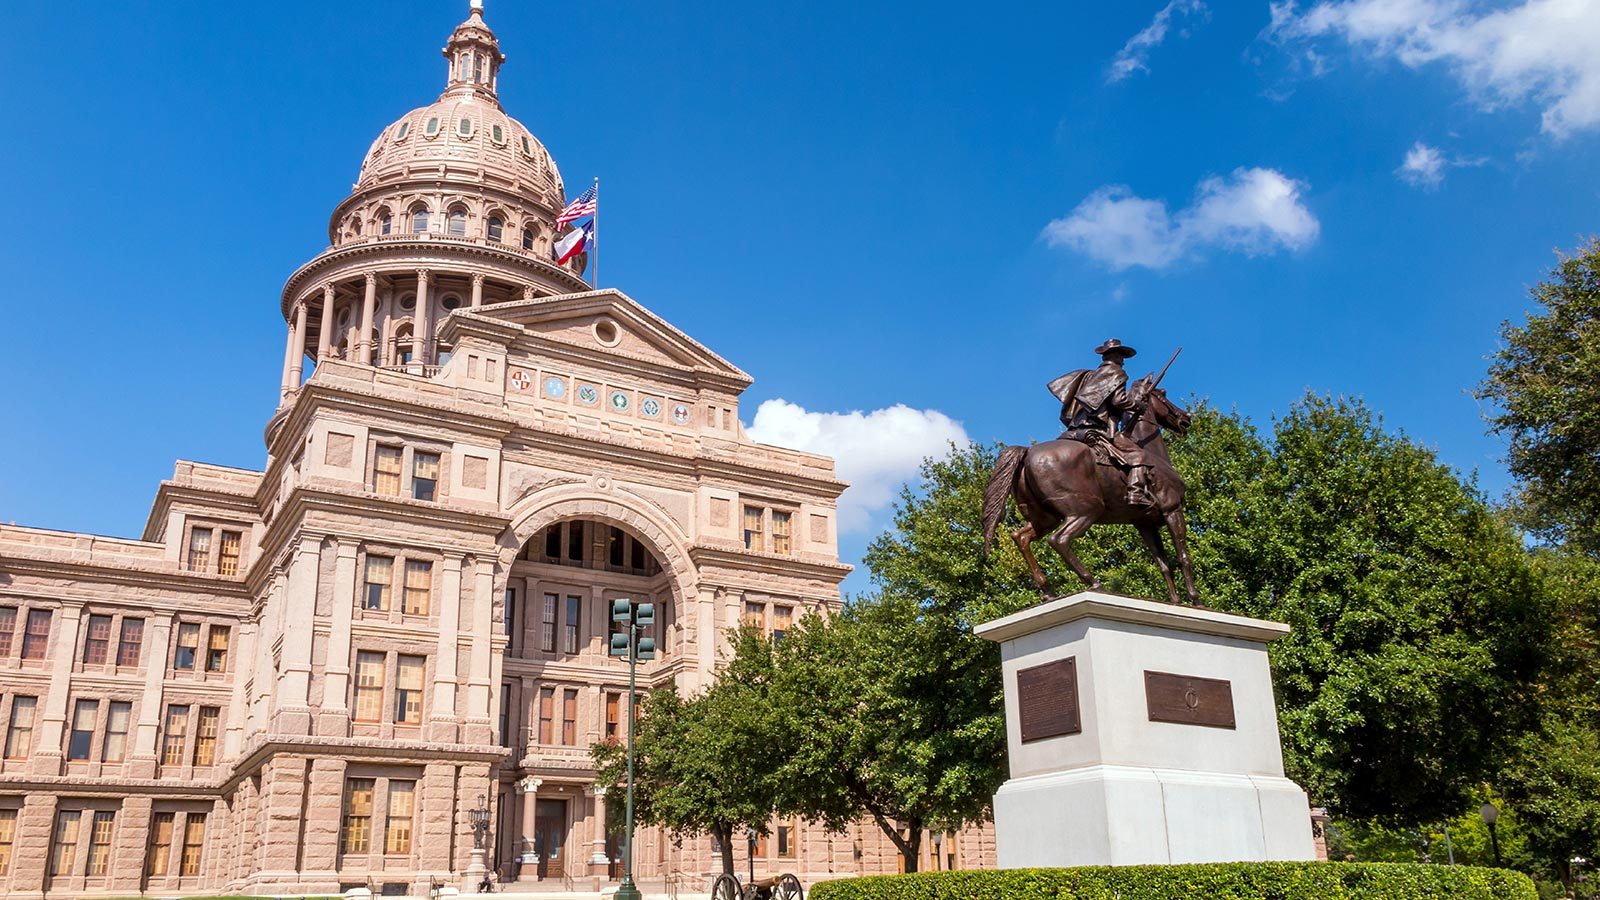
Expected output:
(788, 888)
(726, 887)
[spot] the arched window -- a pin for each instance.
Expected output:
(356, 221)
(385, 222)
(496, 228)
(458, 222)
(419, 220)
(404, 346)
(527, 238)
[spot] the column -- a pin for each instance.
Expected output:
(142, 761)
(442, 715)
(293, 708)
(599, 857)
(319, 851)
(325, 328)
(369, 303)
(477, 290)
(529, 789)
(424, 329)
(334, 718)
(297, 346)
(290, 350)
(238, 703)
(129, 841)
(47, 742)
(479, 713)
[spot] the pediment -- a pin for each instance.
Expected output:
(611, 322)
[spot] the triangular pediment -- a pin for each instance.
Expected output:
(610, 322)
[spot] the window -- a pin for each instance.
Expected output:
(613, 716)
(527, 148)
(781, 540)
(386, 470)
(419, 220)
(205, 738)
(172, 739)
(65, 844)
(8, 837)
(97, 641)
(785, 835)
(527, 238)
(432, 126)
(397, 826)
(199, 549)
(228, 553)
(575, 540)
(356, 835)
(614, 547)
(498, 134)
(385, 223)
(37, 636)
(8, 628)
(217, 648)
(755, 614)
(369, 687)
(100, 843)
(188, 646)
(547, 624)
(552, 542)
(464, 127)
(424, 475)
(19, 736)
(510, 614)
(458, 223)
(569, 717)
(547, 713)
(130, 642)
(158, 862)
(497, 227)
(194, 840)
(505, 715)
(753, 538)
(116, 746)
(380, 573)
(419, 587)
(408, 691)
(570, 629)
(782, 621)
(400, 133)
(84, 712)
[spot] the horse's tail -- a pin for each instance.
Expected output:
(999, 490)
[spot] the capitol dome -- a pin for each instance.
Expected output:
(463, 130)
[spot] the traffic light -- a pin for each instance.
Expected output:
(619, 645)
(622, 610)
(646, 615)
(647, 648)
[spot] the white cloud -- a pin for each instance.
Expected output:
(1136, 52)
(876, 451)
(1541, 51)
(1423, 166)
(1253, 211)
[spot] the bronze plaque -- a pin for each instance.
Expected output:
(1047, 700)
(1189, 700)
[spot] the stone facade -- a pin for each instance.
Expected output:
(300, 679)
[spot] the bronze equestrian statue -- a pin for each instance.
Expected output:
(1109, 466)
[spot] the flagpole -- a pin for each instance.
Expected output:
(595, 238)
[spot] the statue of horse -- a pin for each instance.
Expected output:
(1059, 484)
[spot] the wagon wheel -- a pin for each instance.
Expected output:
(788, 888)
(726, 887)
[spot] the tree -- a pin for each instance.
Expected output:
(1543, 382)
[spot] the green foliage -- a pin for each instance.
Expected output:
(1222, 881)
(1543, 383)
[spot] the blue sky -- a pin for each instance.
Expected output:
(863, 205)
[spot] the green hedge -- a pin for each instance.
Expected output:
(1218, 881)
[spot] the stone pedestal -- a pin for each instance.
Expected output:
(476, 869)
(1141, 732)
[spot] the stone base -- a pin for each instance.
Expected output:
(1123, 815)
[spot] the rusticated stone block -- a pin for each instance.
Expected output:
(128, 843)
(323, 809)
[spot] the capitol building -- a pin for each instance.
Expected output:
(299, 680)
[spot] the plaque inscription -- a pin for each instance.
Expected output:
(1189, 699)
(1047, 700)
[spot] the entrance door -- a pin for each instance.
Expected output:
(550, 836)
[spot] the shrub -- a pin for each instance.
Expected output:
(1212, 881)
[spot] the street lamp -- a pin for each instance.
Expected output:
(1577, 863)
(634, 617)
(751, 836)
(1490, 816)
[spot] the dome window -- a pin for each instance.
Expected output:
(451, 301)
(385, 223)
(527, 148)
(400, 133)
(408, 301)
(419, 220)
(458, 223)
(498, 134)
(496, 229)
(464, 127)
(527, 238)
(432, 128)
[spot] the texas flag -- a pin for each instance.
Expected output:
(576, 241)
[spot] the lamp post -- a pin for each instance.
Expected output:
(1577, 863)
(633, 617)
(1490, 816)
(750, 837)
(478, 869)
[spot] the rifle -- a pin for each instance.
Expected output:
(1144, 394)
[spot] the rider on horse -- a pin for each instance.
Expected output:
(1092, 402)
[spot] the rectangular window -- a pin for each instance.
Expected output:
(755, 614)
(569, 718)
(356, 834)
(81, 737)
(547, 713)
(753, 538)
(19, 736)
(228, 553)
(100, 843)
(194, 841)
(781, 533)
(172, 738)
(419, 587)
(380, 574)
(508, 615)
(786, 841)
(65, 844)
(575, 541)
(408, 691)
(615, 551)
(159, 859)
(188, 646)
(205, 737)
(571, 627)
(424, 475)
(130, 642)
(8, 628)
(217, 648)
(8, 837)
(505, 715)
(613, 717)
(97, 641)
(547, 623)
(369, 687)
(199, 549)
(552, 542)
(37, 636)
(397, 827)
(386, 470)
(782, 621)
(116, 746)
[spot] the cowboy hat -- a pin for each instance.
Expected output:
(1112, 345)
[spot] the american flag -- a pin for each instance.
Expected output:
(585, 205)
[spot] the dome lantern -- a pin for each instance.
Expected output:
(474, 57)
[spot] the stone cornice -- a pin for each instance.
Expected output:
(100, 786)
(51, 566)
(768, 563)
(465, 323)
(245, 504)
(262, 748)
